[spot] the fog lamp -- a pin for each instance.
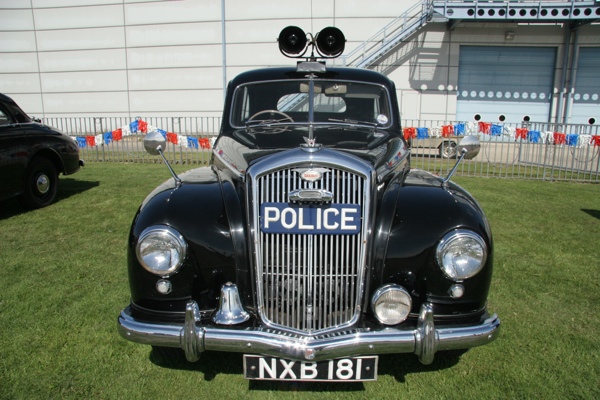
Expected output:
(391, 304)
(457, 291)
(163, 286)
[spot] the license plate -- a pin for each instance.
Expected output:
(333, 219)
(341, 369)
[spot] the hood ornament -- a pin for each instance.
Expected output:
(310, 142)
(311, 145)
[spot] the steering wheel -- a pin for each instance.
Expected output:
(272, 114)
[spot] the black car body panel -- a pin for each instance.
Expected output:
(307, 217)
(23, 140)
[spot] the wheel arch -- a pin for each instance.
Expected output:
(50, 155)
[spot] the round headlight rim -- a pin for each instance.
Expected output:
(170, 232)
(383, 290)
(455, 235)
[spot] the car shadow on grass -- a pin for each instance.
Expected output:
(212, 364)
(593, 213)
(67, 187)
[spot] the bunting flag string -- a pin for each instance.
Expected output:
(140, 126)
(516, 134)
(448, 130)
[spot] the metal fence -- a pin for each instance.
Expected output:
(546, 151)
(556, 152)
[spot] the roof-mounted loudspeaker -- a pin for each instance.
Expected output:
(330, 42)
(294, 43)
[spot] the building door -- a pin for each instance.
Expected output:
(506, 84)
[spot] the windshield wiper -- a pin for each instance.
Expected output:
(353, 122)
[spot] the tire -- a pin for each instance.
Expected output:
(448, 149)
(41, 184)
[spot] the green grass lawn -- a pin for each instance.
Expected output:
(63, 282)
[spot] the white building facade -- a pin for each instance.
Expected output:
(129, 58)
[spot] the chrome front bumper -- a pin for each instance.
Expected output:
(195, 338)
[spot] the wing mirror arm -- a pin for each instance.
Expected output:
(469, 146)
(153, 143)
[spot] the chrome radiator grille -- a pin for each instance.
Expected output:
(310, 282)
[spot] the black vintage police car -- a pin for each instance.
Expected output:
(309, 244)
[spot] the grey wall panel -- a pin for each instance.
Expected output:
(82, 60)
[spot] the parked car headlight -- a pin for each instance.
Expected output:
(461, 254)
(391, 304)
(161, 250)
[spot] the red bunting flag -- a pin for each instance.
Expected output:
(522, 133)
(560, 138)
(447, 130)
(117, 134)
(142, 126)
(596, 140)
(172, 137)
(485, 127)
(90, 140)
(410, 133)
(204, 143)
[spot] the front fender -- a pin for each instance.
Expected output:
(197, 210)
(424, 213)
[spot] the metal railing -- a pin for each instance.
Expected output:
(389, 36)
(120, 139)
(536, 150)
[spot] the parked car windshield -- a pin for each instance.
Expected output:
(287, 102)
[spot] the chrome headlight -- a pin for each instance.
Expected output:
(461, 254)
(391, 304)
(161, 250)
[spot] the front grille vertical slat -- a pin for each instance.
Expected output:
(309, 282)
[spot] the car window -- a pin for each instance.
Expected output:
(4, 117)
(288, 102)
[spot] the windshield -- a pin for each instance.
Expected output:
(287, 102)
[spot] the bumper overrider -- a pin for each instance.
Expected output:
(194, 338)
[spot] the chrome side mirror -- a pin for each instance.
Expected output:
(154, 143)
(470, 145)
(468, 148)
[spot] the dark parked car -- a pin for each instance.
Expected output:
(31, 157)
(309, 244)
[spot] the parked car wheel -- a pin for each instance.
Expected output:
(448, 149)
(41, 184)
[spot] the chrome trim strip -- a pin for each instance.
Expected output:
(310, 196)
(195, 338)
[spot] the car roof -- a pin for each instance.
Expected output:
(4, 98)
(338, 73)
